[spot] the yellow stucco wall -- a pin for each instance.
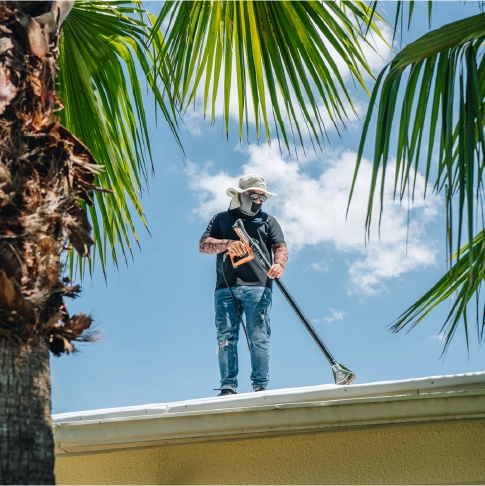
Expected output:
(424, 454)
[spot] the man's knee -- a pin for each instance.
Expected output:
(222, 344)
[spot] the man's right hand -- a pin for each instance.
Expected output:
(237, 248)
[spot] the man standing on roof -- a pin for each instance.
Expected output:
(249, 285)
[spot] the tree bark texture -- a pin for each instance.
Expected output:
(26, 440)
(46, 180)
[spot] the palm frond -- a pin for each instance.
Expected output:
(404, 11)
(438, 62)
(104, 55)
(401, 14)
(441, 111)
(462, 283)
(282, 55)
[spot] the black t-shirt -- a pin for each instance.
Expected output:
(263, 228)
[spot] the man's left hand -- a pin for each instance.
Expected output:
(276, 271)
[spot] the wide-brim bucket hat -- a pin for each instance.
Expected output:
(248, 182)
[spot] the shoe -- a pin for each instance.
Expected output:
(261, 388)
(227, 391)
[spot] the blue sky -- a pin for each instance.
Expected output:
(156, 315)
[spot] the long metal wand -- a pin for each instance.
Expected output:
(341, 374)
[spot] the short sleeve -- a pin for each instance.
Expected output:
(213, 229)
(275, 232)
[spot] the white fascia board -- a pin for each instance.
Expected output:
(274, 413)
(319, 393)
(266, 421)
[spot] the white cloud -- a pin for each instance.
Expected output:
(378, 56)
(210, 189)
(192, 122)
(335, 316)
(441, 337)
(312, 211)
(321, 266)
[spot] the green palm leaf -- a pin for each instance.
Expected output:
(444, 96)
(462, 283)
(103, 56)
(280, 54)
(400, 13)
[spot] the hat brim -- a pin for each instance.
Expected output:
(231, 191)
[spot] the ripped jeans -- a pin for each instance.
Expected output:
(255, 304)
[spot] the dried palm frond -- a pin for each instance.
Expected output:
(45, 172)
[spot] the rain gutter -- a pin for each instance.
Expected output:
(294, 411)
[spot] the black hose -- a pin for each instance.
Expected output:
(235, 304)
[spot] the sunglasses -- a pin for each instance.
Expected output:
(254, 196)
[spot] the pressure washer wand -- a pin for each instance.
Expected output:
(341, 374)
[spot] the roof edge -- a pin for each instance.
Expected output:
(465, 381)
(461, 402)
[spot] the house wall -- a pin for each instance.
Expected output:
(443, 452)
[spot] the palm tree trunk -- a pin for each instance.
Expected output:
(46, 177)
(26, 440)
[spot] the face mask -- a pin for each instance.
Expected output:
(248, 206)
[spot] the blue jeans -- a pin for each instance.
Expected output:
(255, 303)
